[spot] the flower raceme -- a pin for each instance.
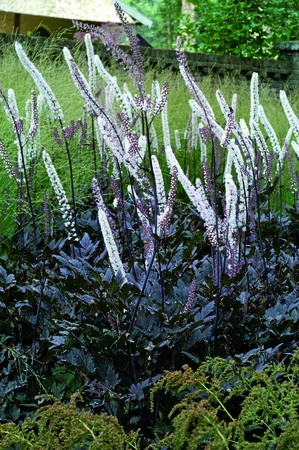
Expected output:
(44, 88)
(65, 208)
(107, 234)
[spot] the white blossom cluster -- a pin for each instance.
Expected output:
(110, 244)
(65, 208)
(44, 88)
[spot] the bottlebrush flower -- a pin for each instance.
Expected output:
(163, 221)
(111, 139)
(231, 237)
(111, 247)
(231, 200)
(159, 183)
(225, 109)
(234, 103)
(108, 237)
(130, 134)
(91, 62)
(65, 208)
(7, 164)
(12, 112)
(260, 140)
(191, 297)
(228, 130)
(254, 98)
(244, 128)
(177, 139)
(32, 111)
(269, 129)
(114, 88)
(44, 88)
(165, 126)
(153, 136)
(197, 196)
(101, 205)
(291, 116)
(161, 102)
(81, 84)
(191, 83)
(136, 68)
(194, 127)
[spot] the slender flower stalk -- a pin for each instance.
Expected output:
(81, 83)
(108, 237)
(225, 109)
(191, 297)
(32, 116)
(161, 197)
(228, 130)
(65, 208)
(197, 196)
(7, 164)
(177, 139)
(269, 129)
(114, 88)
(164, 220)
(136, 68)
(111, 247)
(260, 140)
(244, 128)
(234, 104)
(291, 116)
(165, 126)
(231, 236)
(254, 99)
(162, 100)
(203, 139)
(91, 62)
(44, 88)
(194, 130)
(191, 83)
(12, 112)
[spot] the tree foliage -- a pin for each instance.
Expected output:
(166, 16)
(246, 28)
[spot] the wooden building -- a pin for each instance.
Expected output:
(47, 17)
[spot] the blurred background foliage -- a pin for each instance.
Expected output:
(246, 28)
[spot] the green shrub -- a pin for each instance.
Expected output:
(244, 28)
(62, 426)
(223, 406)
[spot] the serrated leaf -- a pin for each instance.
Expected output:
(111, 379)
(87, 246)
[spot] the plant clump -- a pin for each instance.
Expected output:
(138, 247)
(62, 426)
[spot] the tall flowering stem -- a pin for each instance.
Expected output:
(67, 213)
(164, 220)
(197, 196)
(44, 88)
(137, 67)
(13, 115)
(7, 164)
(191, 297)
(108, 237)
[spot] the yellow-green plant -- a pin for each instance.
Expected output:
(225, 406)
(64, 427)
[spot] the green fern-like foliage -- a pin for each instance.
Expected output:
(62, 426)
(225, 406)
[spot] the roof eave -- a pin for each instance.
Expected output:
(136, 15)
